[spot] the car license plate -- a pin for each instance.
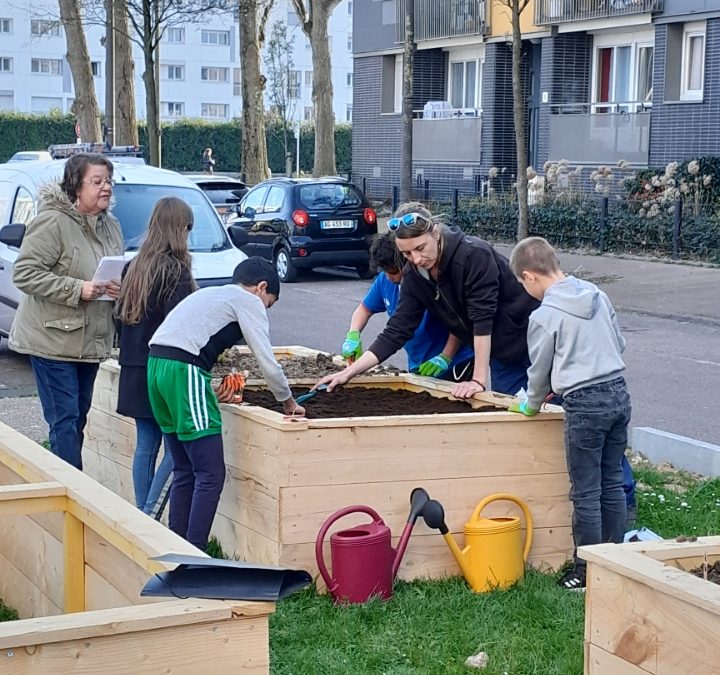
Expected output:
(337, 224)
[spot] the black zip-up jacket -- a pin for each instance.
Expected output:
(475, 294)
(134, 338)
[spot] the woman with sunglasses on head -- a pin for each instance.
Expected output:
(467, 285)
(61, 322)
(156, 280)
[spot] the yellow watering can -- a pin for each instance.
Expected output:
(494, 555)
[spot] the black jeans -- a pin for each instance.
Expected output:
(596, 423)
(65, 389)
(198, 478)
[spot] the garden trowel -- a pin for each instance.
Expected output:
(311, 394)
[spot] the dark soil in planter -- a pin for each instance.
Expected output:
(366, 402)
(295, 367)
(708, 571)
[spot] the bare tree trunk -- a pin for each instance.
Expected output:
(322, 92)
(85, 106)
(151, 102)
(406, 169)
(126, 131)
(523, 229)
(254, 160)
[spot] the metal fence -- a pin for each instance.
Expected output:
(560, 11)
(680, 230)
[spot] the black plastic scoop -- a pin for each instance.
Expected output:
(311, 394)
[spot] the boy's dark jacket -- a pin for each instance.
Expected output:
(476, 294)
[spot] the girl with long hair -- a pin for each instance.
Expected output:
(156, 280)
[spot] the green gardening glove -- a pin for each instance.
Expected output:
(522, 407)
(352, 347)
(435, 366)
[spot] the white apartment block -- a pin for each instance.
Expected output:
(199, 64)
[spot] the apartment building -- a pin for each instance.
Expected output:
(199, 64)
(604, 80)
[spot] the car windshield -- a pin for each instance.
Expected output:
(222, 193)
(134, 204)
(328, 196)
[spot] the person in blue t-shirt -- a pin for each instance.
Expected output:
(431, 351)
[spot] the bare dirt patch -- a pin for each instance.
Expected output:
(708, 571)
(295, 367)
(366, 402)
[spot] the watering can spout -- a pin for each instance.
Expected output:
(434, 516)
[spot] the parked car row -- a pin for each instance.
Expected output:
(136, 191)
(297, 223)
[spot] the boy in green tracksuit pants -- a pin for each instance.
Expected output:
(183, 351)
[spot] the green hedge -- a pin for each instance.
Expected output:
(182, 141)
(577, 225)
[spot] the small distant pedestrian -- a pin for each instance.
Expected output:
(208, 161)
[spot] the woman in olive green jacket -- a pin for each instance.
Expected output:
(60, 322)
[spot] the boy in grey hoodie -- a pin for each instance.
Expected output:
(575, 344)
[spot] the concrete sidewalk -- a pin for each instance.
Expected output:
(666, 290)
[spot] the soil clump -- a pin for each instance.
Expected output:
(295, 367)
(708, 571)
(366, 402)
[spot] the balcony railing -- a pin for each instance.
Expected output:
(561, 11)
(595, 134)
(453, 139)
(435, 19)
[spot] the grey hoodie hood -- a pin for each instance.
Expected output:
(574, 296)
(574, 340)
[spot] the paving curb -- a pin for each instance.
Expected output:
(682, 452)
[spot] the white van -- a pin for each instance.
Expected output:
(137, 189)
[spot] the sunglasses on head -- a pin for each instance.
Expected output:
(408, 220)
(189, 227)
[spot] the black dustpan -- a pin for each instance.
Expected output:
(201, 577)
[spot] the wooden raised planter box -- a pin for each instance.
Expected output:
(645, 613)
(73, 558)
(284, 478)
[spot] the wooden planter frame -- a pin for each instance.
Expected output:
(73, 558)
(285, 477)
(645, 614)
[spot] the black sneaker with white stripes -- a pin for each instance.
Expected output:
(573, 579)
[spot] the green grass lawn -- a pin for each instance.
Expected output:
(430, 628)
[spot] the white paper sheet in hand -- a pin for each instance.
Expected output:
(109, 269)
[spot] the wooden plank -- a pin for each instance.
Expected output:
(225, 646)
(250, 503)
(113, 475)
(600, 662)
(35, 553)
(628, 561)
(101, 594)
(31, 490)
(123, 620)
(646, 627)
(305, 508)
(74, 564)
(30, 505)
(242, 543)
(331, 456)
(120, 571)
(21, 593)
(430, 557)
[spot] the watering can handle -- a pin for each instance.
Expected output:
(320, 540)
(526, 511)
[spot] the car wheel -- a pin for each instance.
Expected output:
(284, 266)
(364, 271)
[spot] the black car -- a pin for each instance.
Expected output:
(222, 191)
(306, 223)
